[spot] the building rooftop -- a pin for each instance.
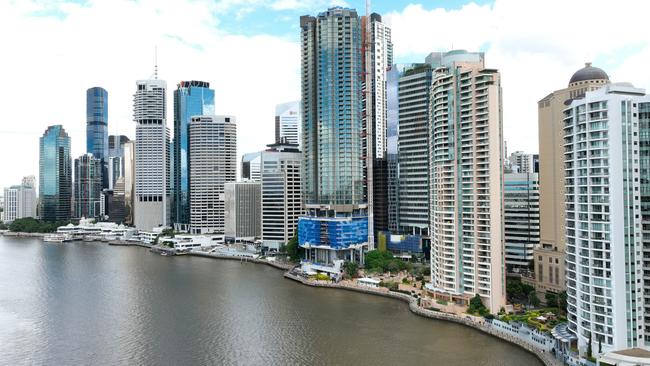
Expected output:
(588, 73)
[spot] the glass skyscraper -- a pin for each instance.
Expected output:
(88, 186)
(55, 169)
(97, 127)
(191, 98)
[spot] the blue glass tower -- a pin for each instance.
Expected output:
(97, 127)
(191, 98)
(55, 170)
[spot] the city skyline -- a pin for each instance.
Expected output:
(211, 28)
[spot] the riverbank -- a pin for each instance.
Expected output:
(281, 266)
(544, 357)
(23, 235)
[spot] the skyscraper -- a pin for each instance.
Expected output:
(129, 181)
(20, 201)
(97, 127)
(466, 182)
(606, 161)
(281, 193)
(212, 163)
(549, 256)
(115, 158)
(242, 209)
(191, 98)
(250, 166)
(152, 150)
(521, 219)
(88, 186)
(55, 175)
(335, 228)
(287, 123)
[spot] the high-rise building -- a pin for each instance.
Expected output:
(413, 150)
(242, 209)
(466, 160)
(287, 123)
(607, 162)
(335, 228)
(115, 158)
(521, 219)
(20, 201)
(87, 186)
(377, 60)
(55, 175)
(251, 164)
(393, 193)
(191, 98)
(129, 181)
(97, 128)
(281, 193)
(521, 162)
(152, 151)
(549, 256)
(212, 163)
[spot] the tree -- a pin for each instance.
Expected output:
(533, 299)
(589, 351)
(551, 299)
(350, 269)
(476, 306)
(562, 301)
(168, 232)
(293, 249)
(600, 345)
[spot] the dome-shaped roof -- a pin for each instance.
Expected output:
(588, 73)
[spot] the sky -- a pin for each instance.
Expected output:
(52, 51)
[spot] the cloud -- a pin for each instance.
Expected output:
(50, 61)
(536, 46)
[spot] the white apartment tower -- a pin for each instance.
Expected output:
(212, 162)
(20, 201)
(607, 191)
(466, 189)
(281, 193)
(152, 155)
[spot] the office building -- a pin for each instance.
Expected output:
(466, 189)
(212, 163)
(88, 186)
(549, 256)
(152, 151)
(55, 175)
(242, 214)
(287, 123)
(281, 193)
(251, 165)
(115, 158)
(393, 193)
(97, 128)
(129, 181)
(521, 219)
(191, 98)
(335, 227)
(607, 162)
(19, 202)
(521, 162)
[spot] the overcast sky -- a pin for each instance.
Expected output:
(248, 50)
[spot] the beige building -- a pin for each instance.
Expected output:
(466, 191)
(549, 256)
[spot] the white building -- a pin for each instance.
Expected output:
(607, 164)
(152, 152)
(251, 164)
(521, 162)
(212, 163)
(19, 202)
(288, 123)
(281, 193)
(242, 215)
(466, 163)
(521, 219)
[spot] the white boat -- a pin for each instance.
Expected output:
(56, 238)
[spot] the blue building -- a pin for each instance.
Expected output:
(191, 98)
(97, 127)
(335, 228)
(55, 175)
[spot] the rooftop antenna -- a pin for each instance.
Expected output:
(155, 68)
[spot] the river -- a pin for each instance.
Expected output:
(94, 304)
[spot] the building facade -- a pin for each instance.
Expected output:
(87, 186)
(19, 202)
(115, 158)
(129, 181)
(466, 189)
(97, 127)
(152, 151)
(288, 126)
(607, 160)
(191, 98)
(335, 227)
(281, 193)
(55, 175)
(242, 214)
(521, 162)
(549, 256)
(251, 165)
(521, 219)
(212, 163)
